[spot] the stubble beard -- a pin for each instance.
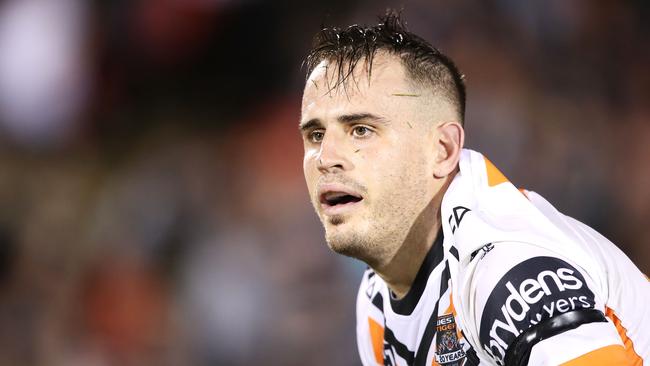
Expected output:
(371, 241)
(345, 237)
(350, 241)
(376, 237)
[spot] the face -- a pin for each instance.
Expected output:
(369, 156)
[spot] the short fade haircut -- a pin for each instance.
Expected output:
(424, 64)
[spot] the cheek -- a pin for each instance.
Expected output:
(309, 168)
(401, 169)
(309, 161)
(394, 159)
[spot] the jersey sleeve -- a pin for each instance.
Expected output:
(533, 307)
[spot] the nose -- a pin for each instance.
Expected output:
(331, 157)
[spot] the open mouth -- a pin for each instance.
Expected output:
(338, 199)
(333, 198)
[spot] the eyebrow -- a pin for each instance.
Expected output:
(351, 118)
(345, 119)
(304, 126)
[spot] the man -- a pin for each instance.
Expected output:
(464, 269)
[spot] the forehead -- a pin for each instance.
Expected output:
(387, 79)
(388, 92)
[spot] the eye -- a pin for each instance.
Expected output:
(316, 136)
(361, 131)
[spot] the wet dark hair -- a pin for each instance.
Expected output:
(424, 64)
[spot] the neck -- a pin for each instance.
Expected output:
(400, 271)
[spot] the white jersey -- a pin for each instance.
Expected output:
(508, 276)
(418, 329)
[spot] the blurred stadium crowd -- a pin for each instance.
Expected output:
(153, 209)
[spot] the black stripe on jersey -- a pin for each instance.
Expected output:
(434, 257)
(400, 348)
(519, 351)
(430, 331)
(427, 339)
(378, 301)
(472, 358)
(454, 252)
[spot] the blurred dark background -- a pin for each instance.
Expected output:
(153, 210)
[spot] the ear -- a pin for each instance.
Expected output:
(449, 142)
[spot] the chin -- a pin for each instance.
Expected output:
(345, 248)
(344, 239)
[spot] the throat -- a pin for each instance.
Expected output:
(398, 291)
(409, 267)
(404, 299)
(415, 258)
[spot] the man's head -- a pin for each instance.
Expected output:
(425, 65)
(382, 116)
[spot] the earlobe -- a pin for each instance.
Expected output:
(449, 143)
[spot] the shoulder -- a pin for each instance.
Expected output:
(516, 286)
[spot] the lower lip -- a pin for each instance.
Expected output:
(339, 209)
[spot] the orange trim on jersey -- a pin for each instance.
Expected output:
(605, 356)
(632, 357)
(452, 310)
(494, 175)
(377, 338)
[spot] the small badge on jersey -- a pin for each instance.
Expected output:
(449, 351)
